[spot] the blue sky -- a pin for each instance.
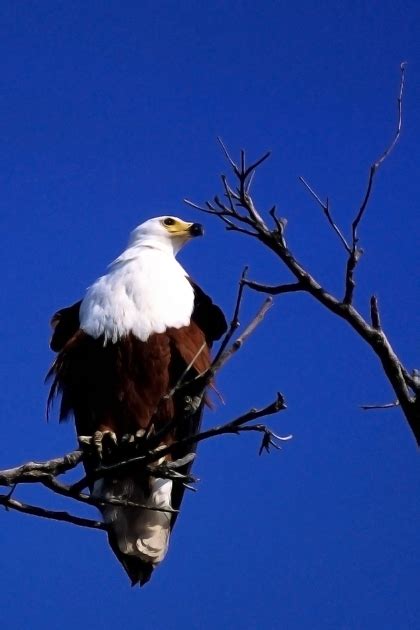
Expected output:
(109, 113)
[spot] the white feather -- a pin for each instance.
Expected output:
(143, 533)
(146, 290)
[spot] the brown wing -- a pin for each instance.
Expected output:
(207, 315)
(121, 386)
(65, 323)
(118, 387)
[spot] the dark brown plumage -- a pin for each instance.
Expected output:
(121, 387)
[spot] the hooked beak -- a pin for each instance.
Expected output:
(196, 229)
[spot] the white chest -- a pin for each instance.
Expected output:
(142, 295)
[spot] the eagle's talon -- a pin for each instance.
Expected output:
(131, 442)
(84, 440)
(150, 431)
(130, 438)
(127, 438)
(101, 439)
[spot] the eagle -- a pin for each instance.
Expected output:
(121, 351)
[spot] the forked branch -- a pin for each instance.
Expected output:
(145, 454)
(239, 210)
(46, 473)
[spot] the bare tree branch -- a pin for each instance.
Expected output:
(386, 406)
(239, 425)
(223, 355)
(356, 252)
(221, 359)
(374, 313)
(274, 290)
(45, 472)
(234, 324)
(242, 212)
(36, 471)
(374, 167)
(34, 510)
(143, 453)
(326, 208)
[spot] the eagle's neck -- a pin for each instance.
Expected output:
(146, 291)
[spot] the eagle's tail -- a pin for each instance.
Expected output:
(139, 537)
(137, 570)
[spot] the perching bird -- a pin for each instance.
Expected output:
(121, 350)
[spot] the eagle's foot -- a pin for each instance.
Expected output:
(129, 438)
(133, 443)
(100, 442)
(104, 440)
(138, 437)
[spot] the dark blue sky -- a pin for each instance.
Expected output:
(108, 115)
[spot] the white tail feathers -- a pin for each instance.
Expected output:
(139, 532)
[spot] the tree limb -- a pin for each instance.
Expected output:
(326, 208)
(239, 425)
(46, 473)
(385, 406)
(242, 214)
(35, 510)
(356, 252)
(149, 448)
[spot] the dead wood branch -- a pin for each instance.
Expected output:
(222, 356)
(240, 210)
(35, 510)
(326, 208)
(391, 405)
(46, 473)
(356, 252)
(144, 453)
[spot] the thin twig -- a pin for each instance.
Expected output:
(229, 159)
(228, 194)
(98, 501)
(326, 208)
(355, 250)
(374, 167)
(237, 425)
(223, 355)
(207, 376)
(234, 324)
(280, 225)
(180, 381)
(35, 510)
(233, 426)
(275, 289)
(238, 343)
(386, 406)
(374, 313)
(246, 172)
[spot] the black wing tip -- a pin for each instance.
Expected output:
(139, 571)
(208, 315)
(64, 324)
(142, 580)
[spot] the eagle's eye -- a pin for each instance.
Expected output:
(168, 221)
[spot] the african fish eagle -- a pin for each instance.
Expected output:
(120, 351)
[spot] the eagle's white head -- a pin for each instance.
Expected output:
(145, 290)
(166, 233)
